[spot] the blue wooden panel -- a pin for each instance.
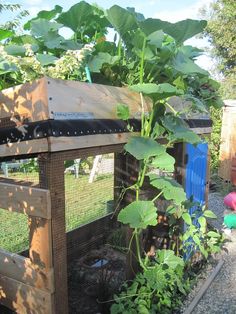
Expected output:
(196, 172)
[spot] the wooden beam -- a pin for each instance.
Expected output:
(25, 199)
(21, 269)
(27, 101)
(75, 142)
(94, 101)
(24, 148)
(22, 298)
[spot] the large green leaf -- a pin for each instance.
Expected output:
(180, 31)
(122, 20)
(46, 59)
(142, 147)
(169, 258)
(4, 33)
(139, 214)
(164, 162)
(178, 130)
(170, 188)
(24, 39)
(69, 44)
(156, 38)
(196, 104)
(48, 15)
(15, 50)
(191, 52)
(53, 40)
(77, 16)
(41, 27)
(157, 91)
(19, 50)
(184, 65)
(96, 63)
(6, 67)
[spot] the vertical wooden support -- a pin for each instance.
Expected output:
(51, 177)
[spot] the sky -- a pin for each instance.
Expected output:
(168, 10)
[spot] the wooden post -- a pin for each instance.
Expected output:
(48, 237)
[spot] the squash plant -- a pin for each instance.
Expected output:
(150, 57)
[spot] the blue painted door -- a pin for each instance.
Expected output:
(196, 173)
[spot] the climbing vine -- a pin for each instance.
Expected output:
(149, 57)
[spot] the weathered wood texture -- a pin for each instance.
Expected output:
(228, 140)
(100, 101)
(51, 176)
(24, 148)
(41, 99)
(27, 101)
(21, 269)
(69, 143)
(24, 199)
(22, 298)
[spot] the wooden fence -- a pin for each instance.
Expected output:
(27, 286)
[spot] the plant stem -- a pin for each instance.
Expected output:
(119, 47)
(141, 73)
(156, 197)
(171, 108)
(142, 114)
(136, 234)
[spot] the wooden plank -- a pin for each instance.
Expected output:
(204, 288)
(40, 242)
(94, 100)
(28, 101)
(24, 148)
(207, 130)
(25, 199)
(68, 143)
(21, 269)
(23, 298)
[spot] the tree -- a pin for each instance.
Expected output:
(14, 22)
(222, 36)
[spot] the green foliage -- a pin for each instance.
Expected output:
(169, 187)
(139, 214)
(222, 16)
(149, 56)
(122, 112)
(143, 148)
(156, 290)
(156, 92)
(214, 143)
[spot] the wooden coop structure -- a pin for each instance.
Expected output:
(227, 167)
(57, 120)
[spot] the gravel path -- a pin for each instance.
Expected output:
(220, 297)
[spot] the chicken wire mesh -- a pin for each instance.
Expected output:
(89, 185)
(14, 230)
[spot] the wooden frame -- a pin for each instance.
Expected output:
(38, 283)
(27, 284)
(24, 199)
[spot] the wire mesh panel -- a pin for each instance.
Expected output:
(89, 187)
(14, 230)
(20, 170)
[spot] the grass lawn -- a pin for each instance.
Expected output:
(84, 203)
